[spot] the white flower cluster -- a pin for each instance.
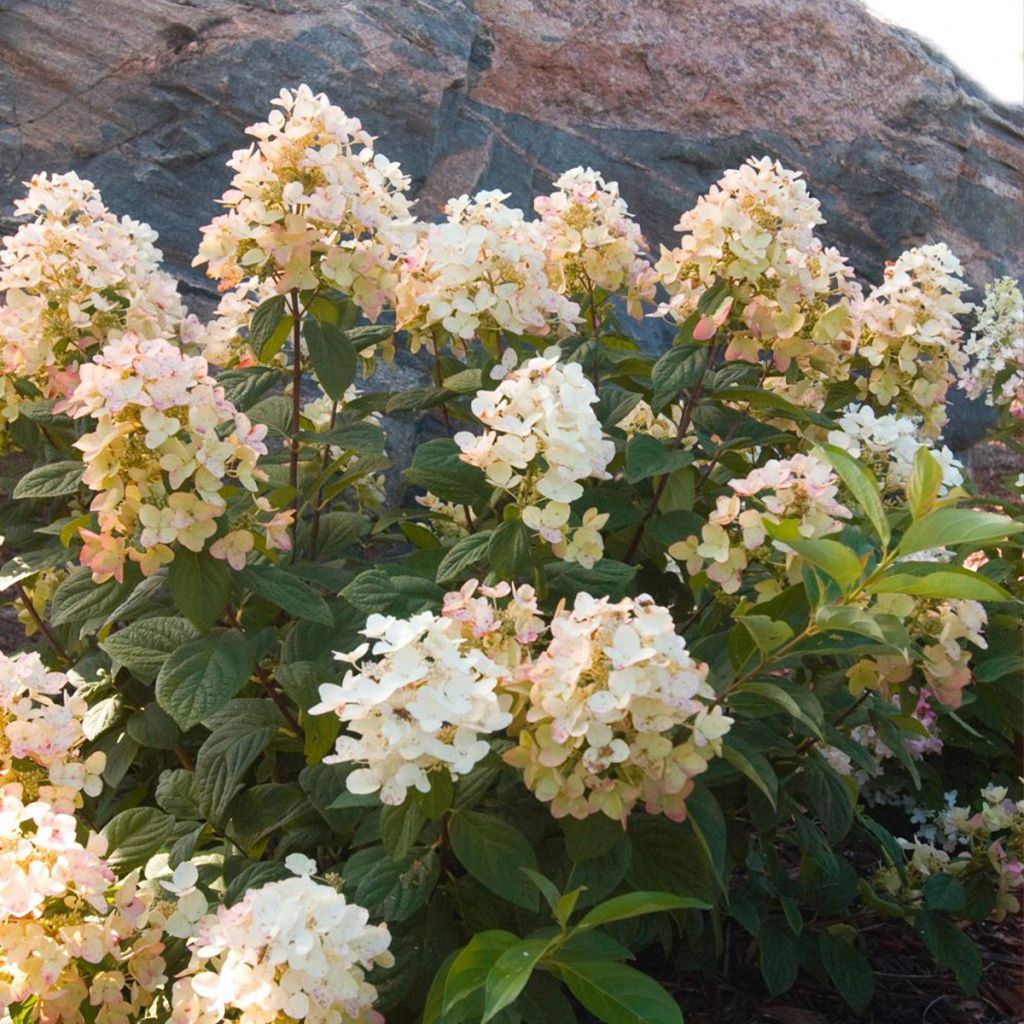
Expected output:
(754, 230)
(542, 438)
(606, 697)
(40, 733)
(592, 240)
(157, 460)
(421, 706)
(802, 487)
(311, 203)
(72, 276)
(996, 348)
(292, 950)
(68, 936)
(483, 269)
(889, 445)
(910, 337)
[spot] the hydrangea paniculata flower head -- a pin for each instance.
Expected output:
(592, 240)
(606, 698)
(483, 269)
(294, 949)
(311, 204)
(996, 349)
(166, 443)
(542, 438)
(422, 703)
(72, 277)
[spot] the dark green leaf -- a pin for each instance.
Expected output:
(494, 852)
(50, 481)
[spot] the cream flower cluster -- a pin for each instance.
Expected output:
(40, 732)
(754, 230)
(592, 241)
(68, 937)
(606, 697)
(542, 439)
(422, 705)
(910, 338)
(292, 950)
(989, 841)
(802, 487)
(482, 270)
(889, 445)
(311, 203)
(71, 277)
(368, 491)
(157, 460)
(996, 348)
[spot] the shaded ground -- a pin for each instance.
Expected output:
(908, 988)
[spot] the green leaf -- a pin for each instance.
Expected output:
(390, 889)
(462, 556)
(849, 971)
(376, 591)
(635, 904)
(494, 853)
(508, 551)
(287, 592)
(928, 579)
(945, 893)
(135, 835)
(400, 827)
(863, 485)
(678, 369)
(353, 436)
(78, 600)
(332, 356)
(949, 527)
(152, 727)
(777, 695)
(23, 567)
(646, 456)
(240, 734)
(778, 956)
(617, 994)
(708, 823)
(50, 481)
(415, 399)
(608, 578)
(834, 558)
(436, 467)
(753, 764)
(849, 619)
(465, 382)
(202, 675)
(200, 585)
(832, 799)
(951, 948)
(143, 646)
(458, 995)
(925, 483)
(768, 634)
(510, 973)
(252, 877)
(265, 321)
(243, 388)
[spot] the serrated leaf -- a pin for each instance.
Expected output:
(462, 556)
(286, 592)
(617, 994)
(646, 456)
(332, 356)
(849, 971)
(863, 485)
(941, 581)
(494, 852)
(950, 527)
(50, 481)
(143, 646)
(133, 836)
(200, 585)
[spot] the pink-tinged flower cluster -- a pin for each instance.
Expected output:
(311, 204)
(802, 488)
(911, 342)
(41, 718)
(787, 295)
(889, 445)
(606, 700)
(480, 271)
(71, 277)
(166, 445)
(292, 950)
(996, 349)
(987, 842)
(72, 943)
(422, 704)
(542, 438)
(592, 241)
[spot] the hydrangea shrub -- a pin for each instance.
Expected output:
(642, 653)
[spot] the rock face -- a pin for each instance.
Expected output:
(149, 97)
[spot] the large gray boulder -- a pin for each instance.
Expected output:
(149, 97)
